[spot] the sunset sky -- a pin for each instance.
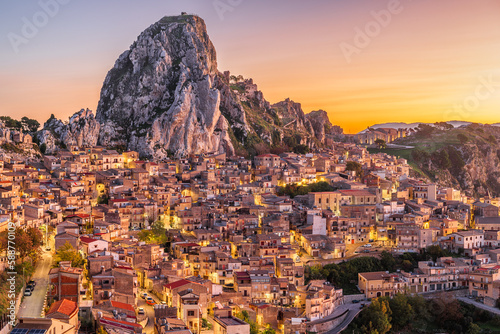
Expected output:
(427, 61)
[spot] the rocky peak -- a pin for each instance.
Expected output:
(321, 125)
(161, 95)
(165, 95)
(82, 129)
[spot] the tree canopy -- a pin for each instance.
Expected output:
(25, 124)
(356, 167)
(156, 235)
(28, 243)
(381, 143)
(68, 253)
(293, 190)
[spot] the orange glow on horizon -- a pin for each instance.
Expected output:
(430, 58)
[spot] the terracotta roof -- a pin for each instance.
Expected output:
(123, 306)
(87, 240)
(65, 306)
(177, 284)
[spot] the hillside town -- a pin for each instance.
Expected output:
(218, 244)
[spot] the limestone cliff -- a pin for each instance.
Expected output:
(165, 95)
(82, 129)
(467, 157)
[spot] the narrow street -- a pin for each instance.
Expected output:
(32, 306)
(148, 326)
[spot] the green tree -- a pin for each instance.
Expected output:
(157, 234)
(424, 130)
(420, 155)
(402, 311)
(443, 125)
(449, 311)
(243, 315)
(28, 242)
(269, 330)
(441, 159)
(101, 330)
(11, 123)
(462, 138)
(254, 328)
(436, 252)
(420, 307)
(457, 163)
(407, 265)
(473, 329)
(68, 253)
(387, 261)
(30, 125)
(206, 324)
(377, 317)
(381, 143)
(354, 166)
(301, 149)
(102, 199)
(36, 237)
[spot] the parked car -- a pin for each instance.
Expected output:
(27, 292)
(32, 283)
(144, 295)
(140, 310)
(355, 301)
(30, 286)
(150, 301)
(367, 245)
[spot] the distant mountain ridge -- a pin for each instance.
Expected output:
(402, 125)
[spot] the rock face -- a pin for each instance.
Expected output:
(166, 96)
(473, 165)
(81, 130)
(321, 125)
(161, 95)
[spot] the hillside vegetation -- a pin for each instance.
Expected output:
(467, 158)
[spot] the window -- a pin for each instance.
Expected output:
(191, 314)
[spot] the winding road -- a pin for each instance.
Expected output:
(32, 306)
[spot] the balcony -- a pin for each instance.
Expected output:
(480, 288)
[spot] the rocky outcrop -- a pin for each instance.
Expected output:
(473, 166)
(322, 126)
(82, 130)
(165, 95)
(162, 95)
